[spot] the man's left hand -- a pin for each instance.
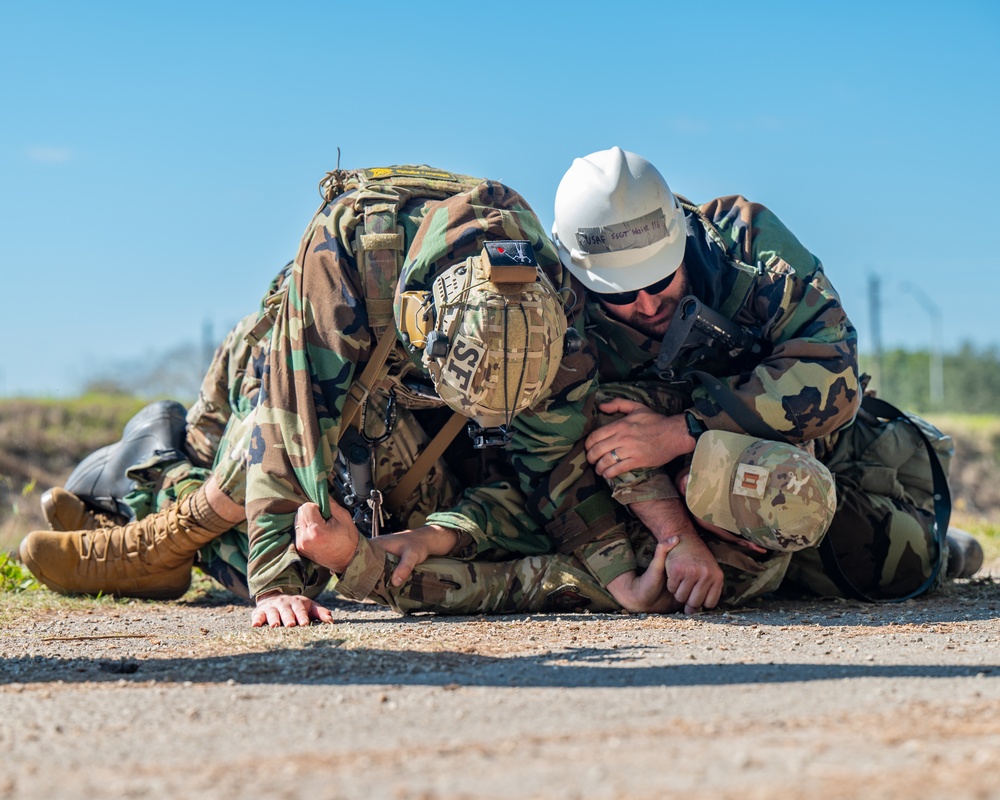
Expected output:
(416, 546)
(642, 439)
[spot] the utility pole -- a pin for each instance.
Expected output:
(875, 322)
(207, 345)
(936, 358)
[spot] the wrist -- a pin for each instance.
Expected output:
(664, 517)
(441, 540)
(268, 595)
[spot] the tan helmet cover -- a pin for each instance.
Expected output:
(505, 327)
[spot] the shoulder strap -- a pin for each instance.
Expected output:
(741, 415)
(431, 453)
(371, 376)
(746, 274)
(379, 248)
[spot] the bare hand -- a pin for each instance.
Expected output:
(289, 610)
(330, 543)
(647, 593)
(642, 439)
(416, 546)
(694, 577)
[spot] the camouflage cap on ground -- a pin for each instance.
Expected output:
(493, 321)
(775, 494)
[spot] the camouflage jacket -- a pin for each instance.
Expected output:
(322, 337)
(742, 262)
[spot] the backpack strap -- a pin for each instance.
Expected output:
(942, 511)
(740, 414)
(378, 248)
(746, 274)
(371, 376)
(420, 467)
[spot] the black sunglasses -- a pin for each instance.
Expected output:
(627, 298)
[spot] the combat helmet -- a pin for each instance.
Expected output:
(478, 312)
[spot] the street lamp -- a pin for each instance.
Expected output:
(937, 362)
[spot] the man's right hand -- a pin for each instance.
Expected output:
(693, 575)
(330, 543)
(276, 609)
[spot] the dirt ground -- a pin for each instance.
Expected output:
(799, 699)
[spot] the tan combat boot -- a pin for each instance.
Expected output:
(150, 558)
(64, 511)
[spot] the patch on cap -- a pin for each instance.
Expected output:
(750, 481)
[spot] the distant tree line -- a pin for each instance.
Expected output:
(174, 374)
(970, 379)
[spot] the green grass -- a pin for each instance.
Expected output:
(987, 532)
(14, 577)
(984, 427)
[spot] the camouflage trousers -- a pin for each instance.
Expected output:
(883, 548)
(562, 583)
(548, 583)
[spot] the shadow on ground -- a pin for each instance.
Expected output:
(324, 662)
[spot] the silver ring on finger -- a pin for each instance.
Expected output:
(615, 456)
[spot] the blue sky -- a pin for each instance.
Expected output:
(158, 161)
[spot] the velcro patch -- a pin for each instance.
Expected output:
(463, 362)
(379, 173)
(513, 251)
(750, 481)
(510, 262)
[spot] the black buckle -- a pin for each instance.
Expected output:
(482, 438)
(388, 419)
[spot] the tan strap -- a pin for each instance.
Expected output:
(372, 374)
(408, 483)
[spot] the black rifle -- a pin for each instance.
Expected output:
(698, 343)
(699, 336)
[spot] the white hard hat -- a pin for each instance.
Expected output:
(618, 227)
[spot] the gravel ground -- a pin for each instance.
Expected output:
(797, 699)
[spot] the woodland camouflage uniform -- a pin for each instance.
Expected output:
(268, 414)
(740, 260)
(321, 337)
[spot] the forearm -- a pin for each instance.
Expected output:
(665, 518)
